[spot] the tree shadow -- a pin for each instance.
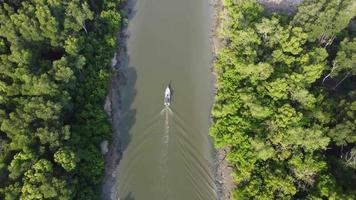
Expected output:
(126, 83)
(130, 12)
(127, 116)
(121, 95)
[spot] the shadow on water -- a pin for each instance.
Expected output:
(122, 93)
(127, 84)
(128, 115)
(129, 197)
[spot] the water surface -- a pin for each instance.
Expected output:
(167, 153)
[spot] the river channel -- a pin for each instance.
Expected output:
(167, 151)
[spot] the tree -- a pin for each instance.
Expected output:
(11, 192)
(20, 163)
(324, 19)
(76, 15)
(48, 24)
(39, 183)
(345, 60)
(111, 17)
(62, 71)
(66, 158)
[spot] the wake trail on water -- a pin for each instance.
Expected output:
(168, 139)
(166, 112)
(194, 162)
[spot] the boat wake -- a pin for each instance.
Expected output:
(167, 139)
(166, 112)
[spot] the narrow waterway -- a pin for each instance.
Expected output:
(167, 153)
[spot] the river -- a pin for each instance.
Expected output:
(167, 151)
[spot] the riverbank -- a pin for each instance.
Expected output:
(113, 109)
(223, 179)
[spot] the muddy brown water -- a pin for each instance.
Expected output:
(167, 151)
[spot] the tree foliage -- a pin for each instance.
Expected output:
(54, 70)
(283, 126)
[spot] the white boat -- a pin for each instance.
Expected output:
(167, 96)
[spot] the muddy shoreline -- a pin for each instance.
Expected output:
(222, 168)
(113, 109)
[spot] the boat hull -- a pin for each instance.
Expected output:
(167, 97)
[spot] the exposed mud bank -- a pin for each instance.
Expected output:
(223, 170)
(113, 109)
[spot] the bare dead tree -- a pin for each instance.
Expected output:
(322, 38)
(330, 41)
(346, 76)
(84, 27)
(327, 76)
(350, 158)
(325, 40)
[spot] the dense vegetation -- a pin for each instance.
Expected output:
(54, 71)
(285, 106)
